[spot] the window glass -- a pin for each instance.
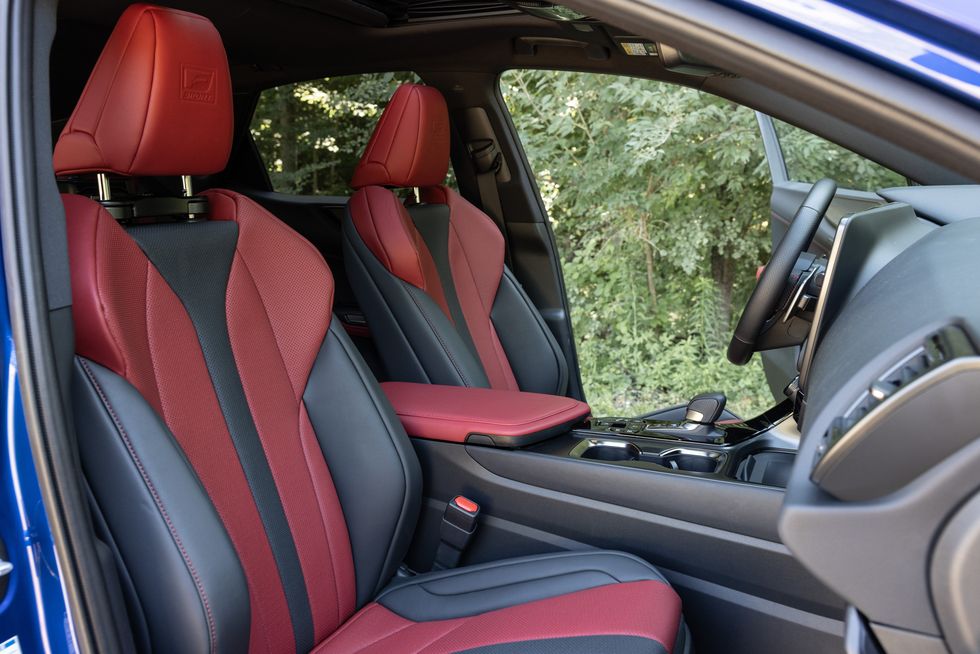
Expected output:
(658, 197)
(810, 158)
(310, 135)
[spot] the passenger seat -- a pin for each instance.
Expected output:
(257, 489)
(430, 277)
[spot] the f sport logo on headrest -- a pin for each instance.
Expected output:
(196, 83)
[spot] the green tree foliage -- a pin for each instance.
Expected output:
(658, 197)
(808, 158)
(311, 134)
(659, 201)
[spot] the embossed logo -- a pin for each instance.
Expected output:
(196, 83)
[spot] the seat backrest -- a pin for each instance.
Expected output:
(431, 277)
(255, 485)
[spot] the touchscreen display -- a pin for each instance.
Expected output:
(863, 245)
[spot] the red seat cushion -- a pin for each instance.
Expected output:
(545, 602)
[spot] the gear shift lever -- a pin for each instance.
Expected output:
(705, 409)
(699, 421)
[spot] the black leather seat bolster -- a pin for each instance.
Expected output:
(480, 588)
(173, 544)
(537, 362)
(416, 340)
(371, 461)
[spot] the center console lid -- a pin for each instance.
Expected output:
(482, 416)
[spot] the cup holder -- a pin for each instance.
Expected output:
(690, 460)
(675, 458)
(610, 451)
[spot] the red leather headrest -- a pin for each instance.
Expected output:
(410, 144)
(158, 101)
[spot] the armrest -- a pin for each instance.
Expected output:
(480, 415)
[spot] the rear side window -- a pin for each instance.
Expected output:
(809, 158)
(310, 135)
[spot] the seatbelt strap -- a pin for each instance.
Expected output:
(459, 524)
(486, 162)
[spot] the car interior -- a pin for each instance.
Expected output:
(357, 423)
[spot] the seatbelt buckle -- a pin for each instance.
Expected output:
(459, 524)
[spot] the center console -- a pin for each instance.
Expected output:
(695, 442)
(550, 478)
(760, 450)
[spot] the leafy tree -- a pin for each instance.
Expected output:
(659, 201)
(311, 134)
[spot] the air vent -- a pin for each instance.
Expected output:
(938, 349)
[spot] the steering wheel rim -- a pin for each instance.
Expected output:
(771, 285)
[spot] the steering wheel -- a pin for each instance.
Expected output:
(772, 284)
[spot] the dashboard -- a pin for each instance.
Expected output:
(889, 454)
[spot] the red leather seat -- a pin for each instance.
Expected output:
(430, 277)
(255, 487)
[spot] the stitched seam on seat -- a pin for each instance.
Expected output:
(299, 399)
(323, 519)
(614, 580)
(417, 94)
(202, 594)
(398, 452)
(407, 229)
(153, 70)
(384, 160)
(268, 320)
(539, 320)
(377, 289)
(149, 348)
(499, 350)
(98, 292)
(543, 557)
(105, 99)
(385, 637)
(488, 421)
(476, 286)
(439, 338)
(354, 620)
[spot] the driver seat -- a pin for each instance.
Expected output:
(430, 277)
(250, 481)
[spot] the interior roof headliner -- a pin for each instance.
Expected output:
(270, 42)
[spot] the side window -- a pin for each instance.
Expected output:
(658, 197)
(809, 158)
(310, 135)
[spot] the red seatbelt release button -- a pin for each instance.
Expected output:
(466, 504)
(459, 524)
